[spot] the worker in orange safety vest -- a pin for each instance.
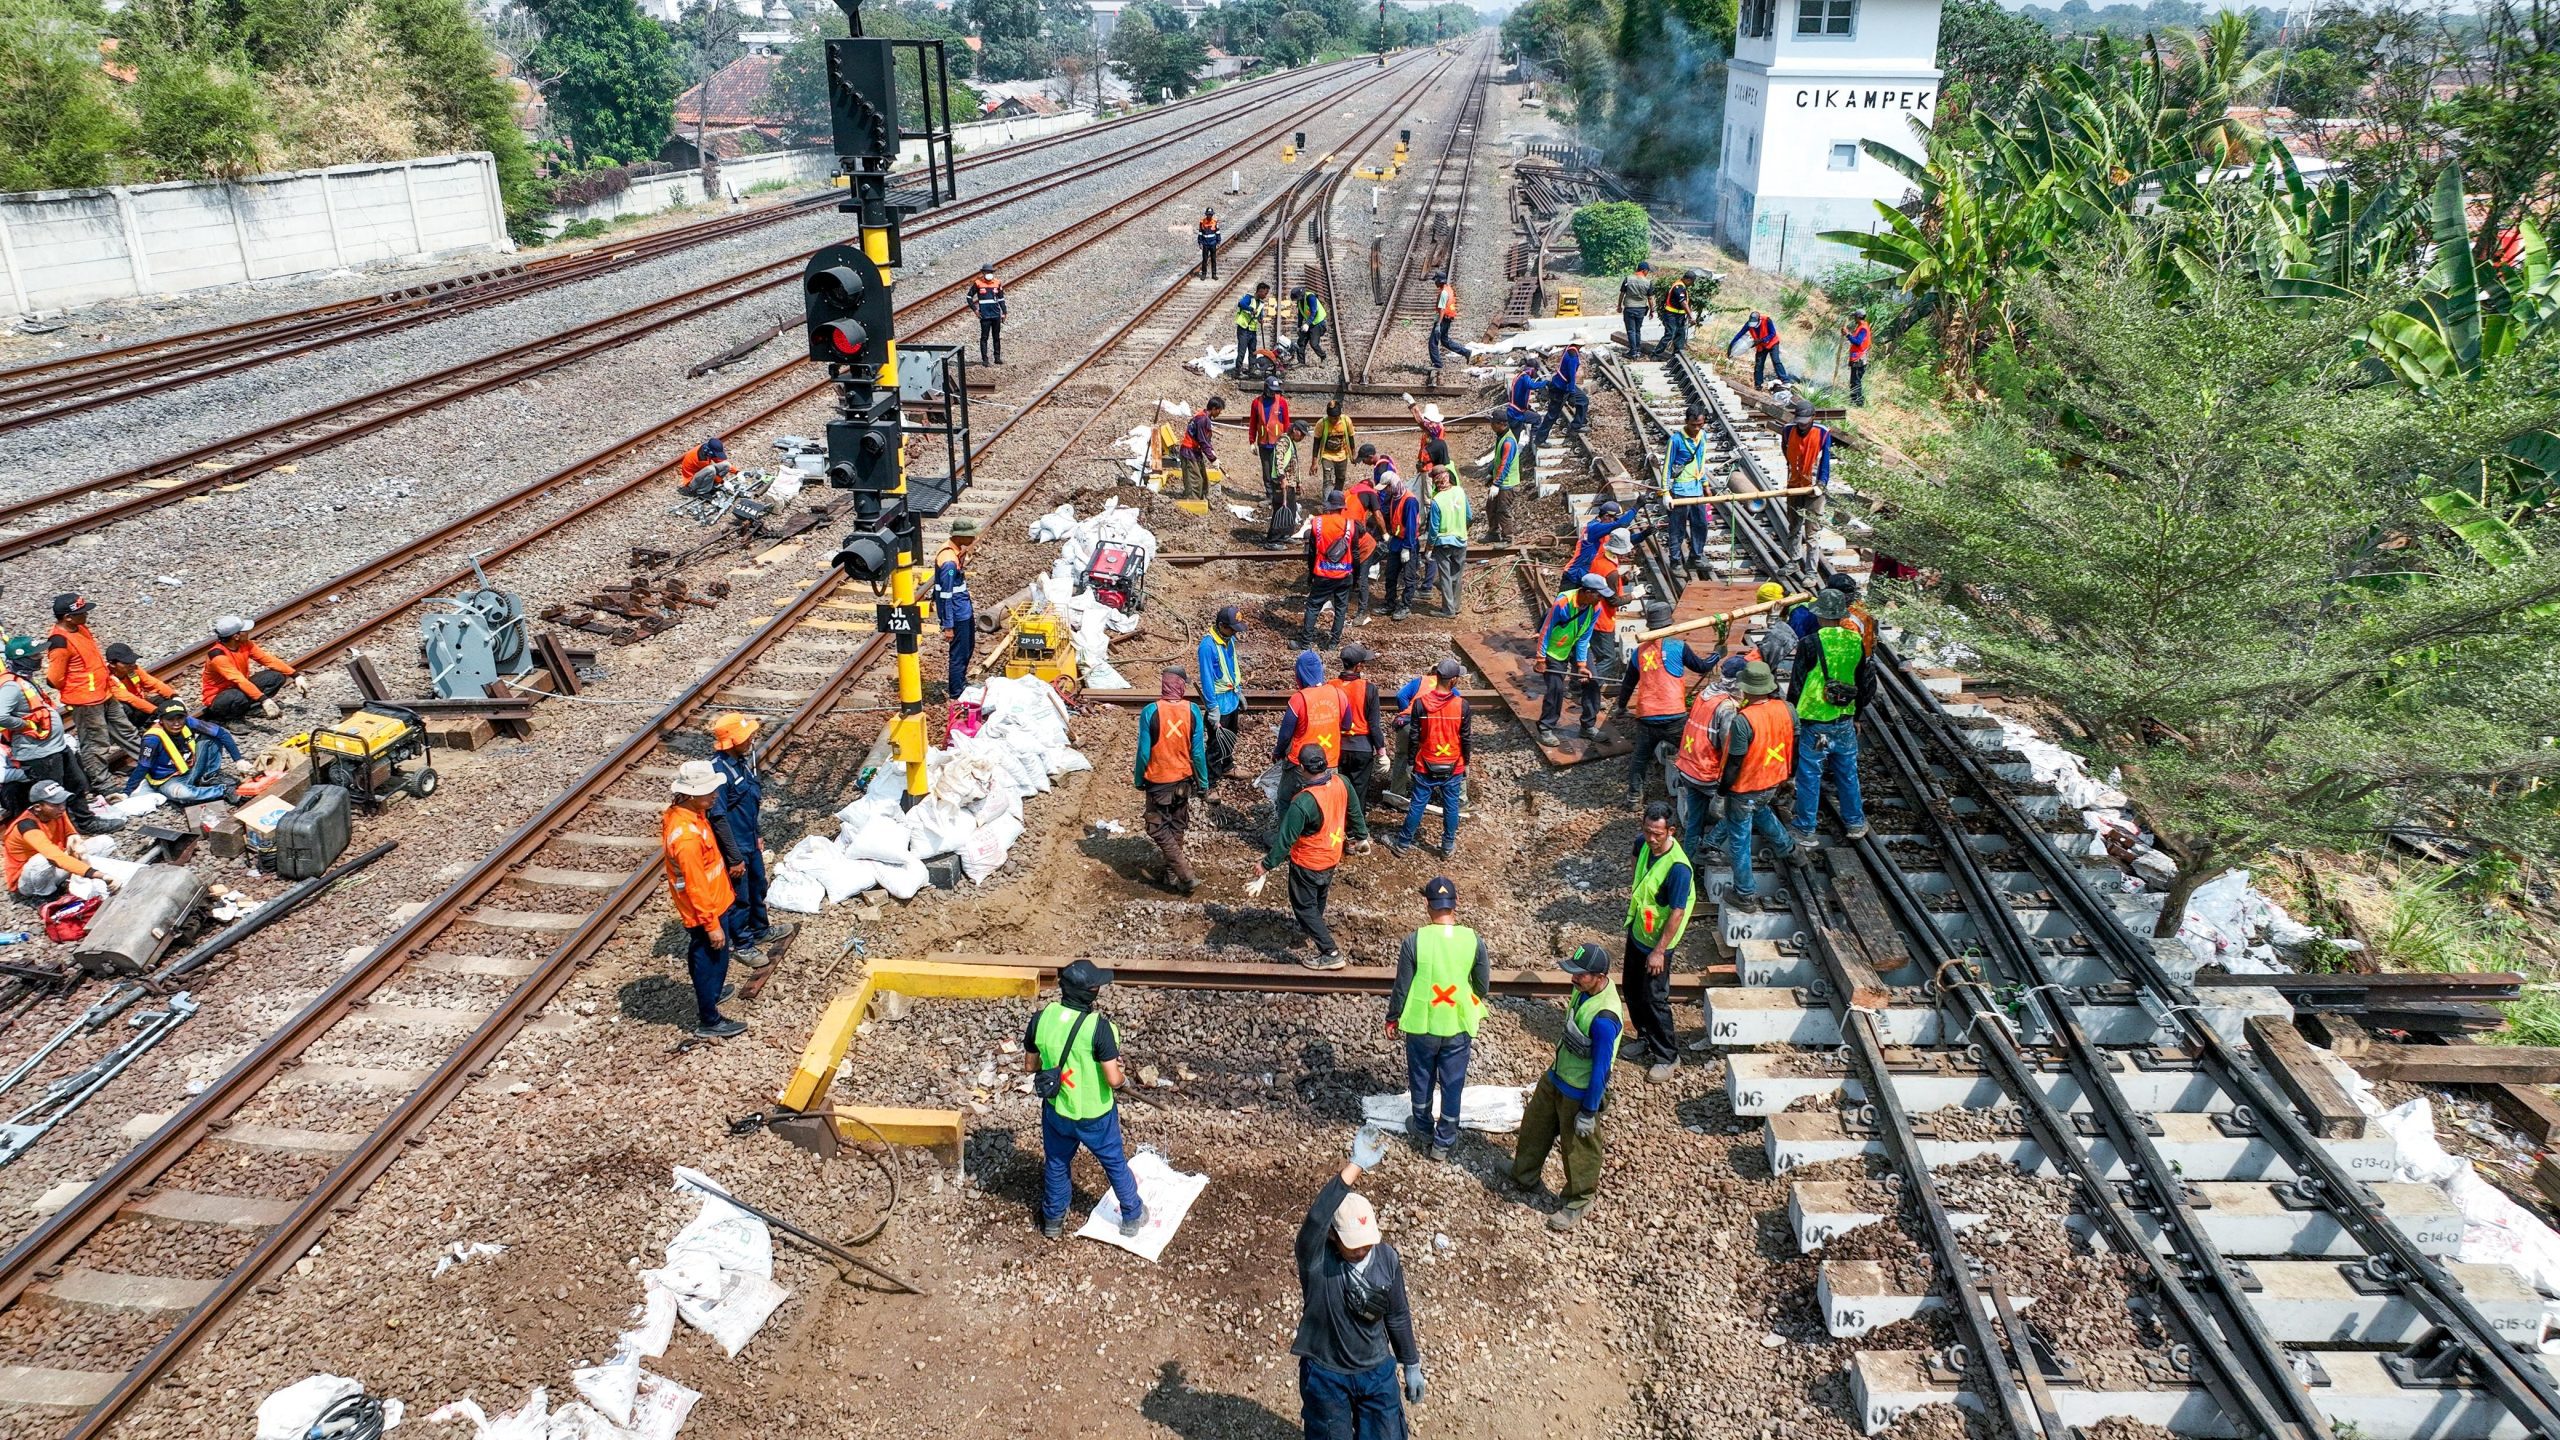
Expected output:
(698, 885)
(1656, 688)
(77, 669)
(1314, 826)
(1756, 744)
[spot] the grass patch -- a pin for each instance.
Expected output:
(2433, 926)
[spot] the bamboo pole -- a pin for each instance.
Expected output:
(1727, 618)
(1718, 499)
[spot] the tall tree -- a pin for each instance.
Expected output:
(612, 75)
(58, 125)
(1988, 53)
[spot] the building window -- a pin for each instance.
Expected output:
(1827, 18)
(1844, 155)
(1759, 19)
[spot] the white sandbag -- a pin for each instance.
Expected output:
(938, 827)
(905, 879)
(878, 838)
(842, 876)
(985, 853)
(610, 1387)
(1001, 803)
(966, 777)
(287, 1414)
(1268, 782)
(1056, 525)
(1066, 760)
(797, 893)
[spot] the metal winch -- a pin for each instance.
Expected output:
(479, 637)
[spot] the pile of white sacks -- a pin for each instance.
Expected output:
(975, 786)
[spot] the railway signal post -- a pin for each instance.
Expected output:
(889, 405)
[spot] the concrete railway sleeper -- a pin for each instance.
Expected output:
(27, 392)
(252, 453)
(1457, 160)
(545, 847)
(2132, 1089)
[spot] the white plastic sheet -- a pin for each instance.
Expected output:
(720, 1267)
(1166, 1193)
(1489, 1109)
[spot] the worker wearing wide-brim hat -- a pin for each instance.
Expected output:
(698, 886)
(953, 611)
(737, 812)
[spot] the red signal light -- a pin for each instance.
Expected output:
(845, 338)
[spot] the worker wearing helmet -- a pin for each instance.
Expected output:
(240, 675)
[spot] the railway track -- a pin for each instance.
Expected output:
(234, 459)
(526, 917)
(52, 389)
(1439, 223)
(1952, 999)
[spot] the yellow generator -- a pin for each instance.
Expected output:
(364, 753)
(1042, 646)
(1568, 300)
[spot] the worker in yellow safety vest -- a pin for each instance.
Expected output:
(1443, 973)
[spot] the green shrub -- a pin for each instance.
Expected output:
(583, 229)
(1615, 236)
(59, 127)
(198, 119)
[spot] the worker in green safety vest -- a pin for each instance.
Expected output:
(1073, 1055)
(1566, 1105)
(1658, 902)
(1443, 974)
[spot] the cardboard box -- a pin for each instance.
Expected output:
(258, 818)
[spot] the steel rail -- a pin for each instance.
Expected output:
(2248, 1371)
(63, 1233)
(205, 455)
(1258, 976)
(444, 533)
(48, 379)
(1469, 118)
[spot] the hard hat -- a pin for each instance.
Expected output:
(696, 777)
(1270, 384)
(24, 656)
(1772, 590)
(733, 730)
(230, 627)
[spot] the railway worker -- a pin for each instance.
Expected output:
(1434, 446)
(137, 692)
(1859, 617)
(1755, 741)
(1451, 516)
(76, 668)
(1221, 692)
(1309, 839)
(240, 675)
(1333, 562)
(1807, 446)
(1659, 898)
(1505, 477)
(738, 811)
(1070, 1040)
(1635, 303)
(1400, 514)
(952, 608)
(39, 745)
(1337, 443)
(1362, 723)
(1833, 683)
(1656, 689)
(1684, 477)
(1565, 1107)
(1249, 331)
(1856, 339)
(1608, 520)
(40, 850)
(986, 297)
(1762, 331)
(1266, 424)
(1608, 657)
(1355, 1325)
(1526, 386)
(1445, 316)
(1676, 316)
(1200, 446)
(1364, 506)
(1313, 321)
(711, 450)
(1208, 245)
(1313, 716)
(1564, 391)
(1697, 765)
(1435, 719)
(1564, 658)
(182, 758)
(1777, 643)
(698, 886)
(1444, 973)
(1172, 766)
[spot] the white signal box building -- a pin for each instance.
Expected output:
(1808, 81)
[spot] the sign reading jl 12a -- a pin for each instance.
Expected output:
(1847, 97)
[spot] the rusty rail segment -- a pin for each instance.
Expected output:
(53, 1242)
(1469, 122)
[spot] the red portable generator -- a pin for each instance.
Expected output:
(1117, 576)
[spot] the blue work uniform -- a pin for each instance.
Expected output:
(954, 612)
(737, 819)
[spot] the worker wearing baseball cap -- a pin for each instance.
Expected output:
(1564, 657)
(38, 851)
(1361, 723)
(1434, 720)
(1355, 1325)
(737, 815)
(1566, 1105)
(698, 885)
(1309, 839)
(1222, 690)
(1073, 1054)
(138, 692)
(76, 668)
(1443, 974)
(952, 609)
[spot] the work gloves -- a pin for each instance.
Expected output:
(1368, 1148)
(1585, 1121)
(1413, 1384)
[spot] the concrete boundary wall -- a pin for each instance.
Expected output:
(63, 248)
(813, 165)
